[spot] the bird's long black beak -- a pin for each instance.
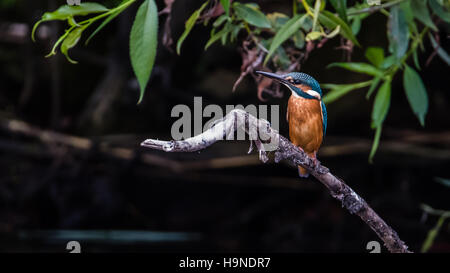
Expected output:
(273, 76)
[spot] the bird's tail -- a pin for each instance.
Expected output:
(302, 172)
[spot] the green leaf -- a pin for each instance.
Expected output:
(339, 90)
(288, 29)
(375, 144)
(416, 93)
(316, 14)
(281, 59)
(359, 67)
(388, 62)
(71, 41)
(66, 12)
(277, 20)
(398, 32)
(379, 112)
(299, 39)
(416, 59)
(235, 31)
(226, 6)
(381, 104)
(189, 25)
(440, 11)
(356, 25)
(220, 20)
(420, 11)
(375, 55)
(313, 35)
(432, 234)
(375, 82)
(219, 35)
(307, 24)
(407, 10)
(143, 42)
(251, 15)
(440, 51)
(331, 21)
(58, 42)
(405, 6)
(72, 22)
(341, 7)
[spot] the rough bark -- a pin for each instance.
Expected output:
(259, 130)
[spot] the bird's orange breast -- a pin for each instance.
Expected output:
(305, 123)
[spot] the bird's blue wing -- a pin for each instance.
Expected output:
(324, 117)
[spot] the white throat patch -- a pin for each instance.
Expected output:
(309, 92)
(314, 94)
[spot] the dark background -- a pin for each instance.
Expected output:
(56, 189)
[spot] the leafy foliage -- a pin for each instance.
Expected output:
(189, 25)
(331, 21)
(286, 31)
(143, 37)
(277, 41)
(404, 38)
(251, 14)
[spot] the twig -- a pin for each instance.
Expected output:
(375, 8)
(285, 150)
(436, 212)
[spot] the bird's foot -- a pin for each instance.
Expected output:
(301, 149)
(316, 162)
(302, 175)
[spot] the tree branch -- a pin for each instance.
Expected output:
(260, 129)
(373, 9)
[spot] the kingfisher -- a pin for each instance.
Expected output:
(306, 113)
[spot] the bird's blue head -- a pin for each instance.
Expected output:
(300, 83)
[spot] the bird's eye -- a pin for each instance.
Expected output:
(291, 80)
